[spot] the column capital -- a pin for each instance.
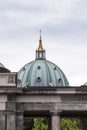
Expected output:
(55, 112)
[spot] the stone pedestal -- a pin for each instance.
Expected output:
(55, 120)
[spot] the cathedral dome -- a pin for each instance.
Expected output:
(41, 72)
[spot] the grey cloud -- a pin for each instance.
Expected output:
(70, 29)
(16, 6)
(63, 24)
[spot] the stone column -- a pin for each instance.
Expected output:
(55, 120)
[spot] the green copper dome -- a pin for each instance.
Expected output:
(41, 72)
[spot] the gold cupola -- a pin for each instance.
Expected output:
(40, 52)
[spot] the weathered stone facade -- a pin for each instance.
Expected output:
(52, 103)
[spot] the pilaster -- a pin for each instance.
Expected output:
(11, 121)
(2, 120)
(19, 121)
(11, 112)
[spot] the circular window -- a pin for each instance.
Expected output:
(59, 80)
(39, 67)
(38, 79)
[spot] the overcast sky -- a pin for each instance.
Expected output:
(64, 34)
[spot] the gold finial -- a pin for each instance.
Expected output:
(40, 47)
